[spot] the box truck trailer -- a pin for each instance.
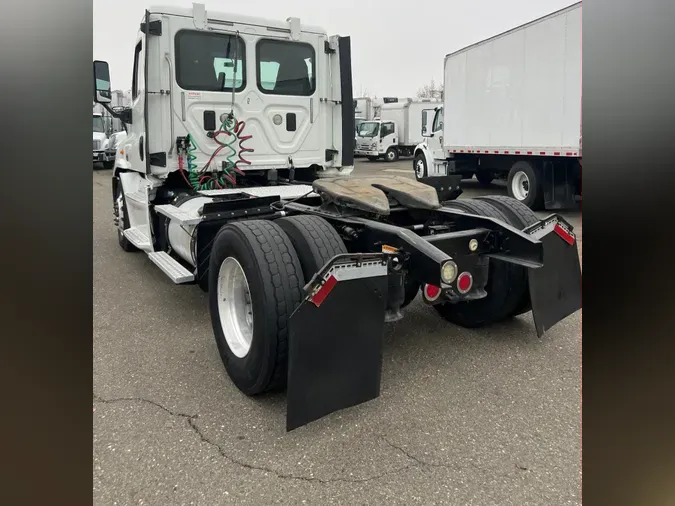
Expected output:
(396, 132)
(512, 110)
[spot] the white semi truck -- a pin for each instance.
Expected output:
(512, 110)
(234, 176)
(396, 132)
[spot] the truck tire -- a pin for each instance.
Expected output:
(109, 165)
(391, 155)
(120, 207)
(524, 185)
(520, 217)
(420, 166)
(314, 240)
(484, 177)
(505, 286)
(255, 282)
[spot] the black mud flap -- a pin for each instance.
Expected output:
(555, 288)
(335, 347)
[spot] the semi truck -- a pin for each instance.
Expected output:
(242, 186)
(396, 132)
(512, 111)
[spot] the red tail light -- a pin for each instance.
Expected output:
(464, 282)
(431, 292)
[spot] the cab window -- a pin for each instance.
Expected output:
(210, 61)
(285, 68)
(438, 121)
(387, 128)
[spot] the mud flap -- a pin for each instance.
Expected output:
(335, 343)
(555, 288)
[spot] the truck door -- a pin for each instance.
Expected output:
(436, 140)
(136, 143)
(388, 135)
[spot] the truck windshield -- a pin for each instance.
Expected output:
(98, 124)
(368, 129)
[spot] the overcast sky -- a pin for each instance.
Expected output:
(397, 46)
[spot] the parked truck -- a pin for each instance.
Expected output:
(396, 132)
(240, 186)
(512, 110)
(101, 141)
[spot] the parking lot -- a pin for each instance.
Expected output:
(487, 416)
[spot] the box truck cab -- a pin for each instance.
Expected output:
(101, 141)
(512, 110)
(396, 132)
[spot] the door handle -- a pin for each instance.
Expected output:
(140, 147)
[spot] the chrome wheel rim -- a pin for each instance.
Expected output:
(234, 307)
(520, 185)
(419, 168)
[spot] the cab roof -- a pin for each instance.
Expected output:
(236, 18)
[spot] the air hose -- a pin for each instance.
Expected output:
(203, 180)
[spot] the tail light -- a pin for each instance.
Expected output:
(464, 282)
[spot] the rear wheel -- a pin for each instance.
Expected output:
(505, 286)
(524, 185)
(520, 216)
(256, 283)
(391, 155)
(315, 241)
(420, 165)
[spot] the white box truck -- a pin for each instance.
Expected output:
(512, 110)
(396, 132)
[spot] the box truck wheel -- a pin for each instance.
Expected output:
(255, 282)
(315, 241)
(505, 286)
(420, 165)
(121, 215)
(520, 216)
(524, 185)
(391, 155)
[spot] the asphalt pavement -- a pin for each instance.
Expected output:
(487, 417)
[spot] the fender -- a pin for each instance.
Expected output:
(424, 149)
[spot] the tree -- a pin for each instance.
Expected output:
(431, 90)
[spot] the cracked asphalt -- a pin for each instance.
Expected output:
(486, 417)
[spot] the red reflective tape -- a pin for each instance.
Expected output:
(517, 152)
(486, 152)
(556, 153)
(569, 153)
(506, 152)
(564, 234)
(497, 152)
(542, 152)
(321, 294)
(529, 152)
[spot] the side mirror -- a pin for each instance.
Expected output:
(102, 93)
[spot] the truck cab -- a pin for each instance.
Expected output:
(200, 79)
(429, 155)
(101, 141)
(377, 139)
